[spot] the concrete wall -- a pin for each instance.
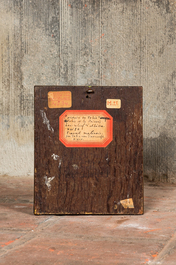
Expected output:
(88, 42)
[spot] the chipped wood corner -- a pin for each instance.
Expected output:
(36, 212)
(141, 211)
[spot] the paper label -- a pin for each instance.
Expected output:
(85, 128)
(113, 103)
(59, 99)
(127, 203)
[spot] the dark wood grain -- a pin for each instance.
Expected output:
(104, 176)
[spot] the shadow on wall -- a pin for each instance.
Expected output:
(158, 158)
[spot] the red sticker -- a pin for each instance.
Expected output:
(85, 128)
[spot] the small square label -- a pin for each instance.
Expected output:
(113, 103)
(59, 99)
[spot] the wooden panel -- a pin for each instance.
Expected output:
(93, 180)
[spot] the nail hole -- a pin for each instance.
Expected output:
(88, 96)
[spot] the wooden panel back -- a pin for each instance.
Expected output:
(89, 180)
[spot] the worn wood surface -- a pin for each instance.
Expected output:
(89, 180)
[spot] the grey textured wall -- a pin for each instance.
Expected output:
(88, 42)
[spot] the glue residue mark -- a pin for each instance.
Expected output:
(48, 181)
(75, 166)
(46, 121)
(60, 161)
(55, 157)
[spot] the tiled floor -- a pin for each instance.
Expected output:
(74, 240)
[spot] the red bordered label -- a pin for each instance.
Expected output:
(85, 128)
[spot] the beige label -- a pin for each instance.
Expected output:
(85, 128)
(59, 99)
(113, 103)
(128, 203)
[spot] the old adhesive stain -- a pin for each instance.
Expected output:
(48, 181)
(46, 121)
(60, 162)
(75, 166)
(55, 157)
